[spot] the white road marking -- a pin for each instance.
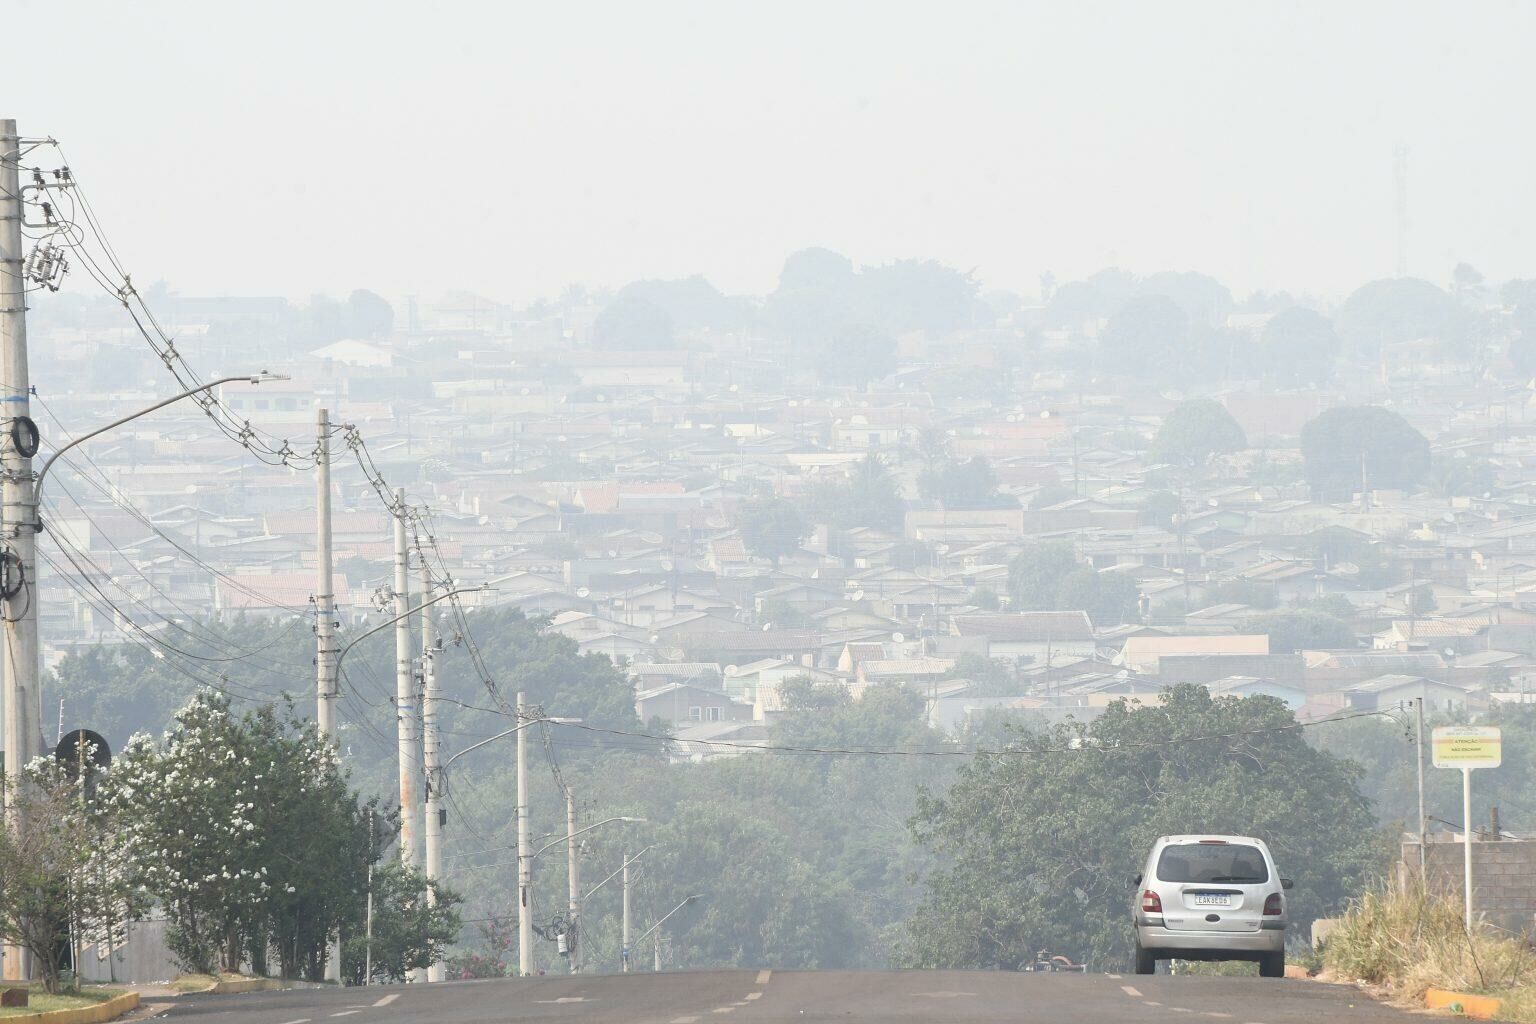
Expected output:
(344, 1013)
(566, 999)
(724, 1009)
(1130, 990)
(1217, 1013)
(754, 995)
(386, 1000)
(943, 995)
(301, 1020)
(1150, 1002)
(1115, 976)
(686, 1020)
(1181, 1009)
(763, 976)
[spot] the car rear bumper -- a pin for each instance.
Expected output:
(1154, 937)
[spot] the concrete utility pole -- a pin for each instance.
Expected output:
(573, 881)
(325, 620)
(624, 928)
(325, 596)
(431, 754)
(524, 853)
(1423, 820)
(405, 691)
(18, 512)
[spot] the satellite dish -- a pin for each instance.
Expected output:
(1011, 418)
(666, 565)
(613, 553)
(655, 637)
(525, 391)
(734, 388)
(1045, 414)
(676, 654)
(733, 670)
(767, 626)
(583, 592)
(1450, 652)
(189, 489)
(899, 638)
(858, 595)
(602, 397)
(942, 549)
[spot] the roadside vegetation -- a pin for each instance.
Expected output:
(1405, 940)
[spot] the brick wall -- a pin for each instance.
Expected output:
(1503, 878)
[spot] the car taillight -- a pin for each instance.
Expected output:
(1272, 905)
(1151, 903)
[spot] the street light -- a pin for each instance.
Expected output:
(252, 378)
(390, 622)
(658, 924)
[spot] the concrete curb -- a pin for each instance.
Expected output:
(1476, 1007)
(100, 1013)
(226, 988)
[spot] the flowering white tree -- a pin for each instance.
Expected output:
(247, 833)
(63, 864)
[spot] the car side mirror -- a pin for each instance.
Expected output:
(1287, 884)
(1136, 880)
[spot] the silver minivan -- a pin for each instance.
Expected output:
(1210, 897)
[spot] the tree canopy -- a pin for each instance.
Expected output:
(1298, 347)
(1148, 337)
(1400, 309)
(630, 323)
(1037, 851)
(771, 528)
(963, 485)
(1340, 444)
(1195, 430)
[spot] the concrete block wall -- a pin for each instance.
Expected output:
(1503, 878)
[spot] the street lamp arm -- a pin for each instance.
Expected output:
(616, 874)
(658, 924)
(390, 622)
(579, 832)
(254, 378)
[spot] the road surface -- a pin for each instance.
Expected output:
(804, 997)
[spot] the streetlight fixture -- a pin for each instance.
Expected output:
(252, 378)
(658, 924)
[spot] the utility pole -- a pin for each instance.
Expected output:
(405, 691)
(325, 622)
(1423, 837)
(624, 928)
(573, 881)
(325, 597)
(524, 852)
(22, 734)
(431, 754)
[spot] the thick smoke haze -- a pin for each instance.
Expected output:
(513, 148)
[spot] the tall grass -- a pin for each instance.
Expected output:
(1408, 940)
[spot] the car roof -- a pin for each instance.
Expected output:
(1197, 837)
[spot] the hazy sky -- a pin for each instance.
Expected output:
(513, 147)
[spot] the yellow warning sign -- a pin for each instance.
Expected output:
(1467, 746)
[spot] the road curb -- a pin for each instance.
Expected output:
(229, 988)
(1466, 1004)
(100, 1013)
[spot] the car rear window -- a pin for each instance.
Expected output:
(1212, 863)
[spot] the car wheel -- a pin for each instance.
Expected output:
(1272, 965)
(1146, 963)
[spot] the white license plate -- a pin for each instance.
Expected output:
(1210, 899)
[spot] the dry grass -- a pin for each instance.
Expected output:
(1407, 940)
(39, 1001)
(186, 983)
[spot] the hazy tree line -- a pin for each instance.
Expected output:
(804, 857)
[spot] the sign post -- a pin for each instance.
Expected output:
(1467, 747)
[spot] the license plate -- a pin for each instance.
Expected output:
(1210, 899)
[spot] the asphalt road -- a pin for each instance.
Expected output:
(805, 997)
